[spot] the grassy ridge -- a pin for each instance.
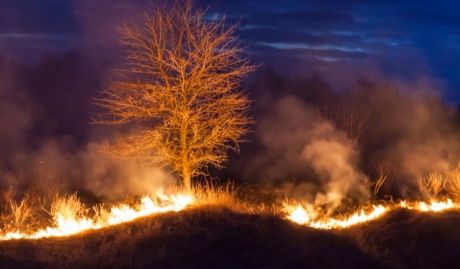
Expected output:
(411, 239)
(219, 237)
(230, 229)
(204, 237)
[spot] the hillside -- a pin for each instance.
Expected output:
(412, 239)
(216, 237)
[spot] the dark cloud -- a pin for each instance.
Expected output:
(277, 34)
(316, 17)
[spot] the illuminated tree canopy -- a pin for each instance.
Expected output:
(182, 90)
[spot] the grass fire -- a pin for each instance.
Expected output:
(193, 154)
(153, 217)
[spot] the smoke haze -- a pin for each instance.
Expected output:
(319, 140)
(328, 144)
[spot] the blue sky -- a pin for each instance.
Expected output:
(345, 40)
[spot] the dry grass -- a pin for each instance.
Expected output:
(222, 226)
(205, 237)
(379, 183)
(453, 187)
(376, 185)
(34, 212)
(432, 186)
(211, 192)
(20, 213)
(25, 215)
(436, 185)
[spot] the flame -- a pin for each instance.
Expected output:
(68, 224)
(299, 214)
(70, 217)
(124, 213)
(302, 216)
(433, 206)
(350, 221)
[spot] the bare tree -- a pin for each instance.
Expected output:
(181, 88)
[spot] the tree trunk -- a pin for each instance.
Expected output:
(186, 178)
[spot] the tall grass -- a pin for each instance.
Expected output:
(437, 185)
(453, 178)
(208, 192)
(23, 215)
(432, 185)
(212, 192)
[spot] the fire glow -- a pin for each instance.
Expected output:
(68, 223)
(70, 217)
(307, 215)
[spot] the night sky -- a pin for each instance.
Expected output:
(68, 47)
(56, 55)
(343, 40)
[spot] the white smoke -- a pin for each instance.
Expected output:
(301, 147)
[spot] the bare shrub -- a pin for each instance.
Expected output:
(432, 185)
(453, 183)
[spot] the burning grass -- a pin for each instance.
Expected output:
(215, 236)
(213, 218)
(67, 215)
(211, 236)
(66, 233)
(439, 193)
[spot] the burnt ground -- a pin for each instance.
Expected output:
(216, 237)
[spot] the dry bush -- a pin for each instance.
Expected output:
(453, 183)
(20, 213)
(432, 185)
(6, 195)
(24, 215)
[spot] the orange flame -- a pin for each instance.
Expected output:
(303, 216)
(67, 225)
(68, 222)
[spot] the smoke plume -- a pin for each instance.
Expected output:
(327, 143)
(301, 147)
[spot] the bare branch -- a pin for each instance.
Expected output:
(181, 89)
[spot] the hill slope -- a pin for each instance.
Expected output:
(216, 237)
(412, 239)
